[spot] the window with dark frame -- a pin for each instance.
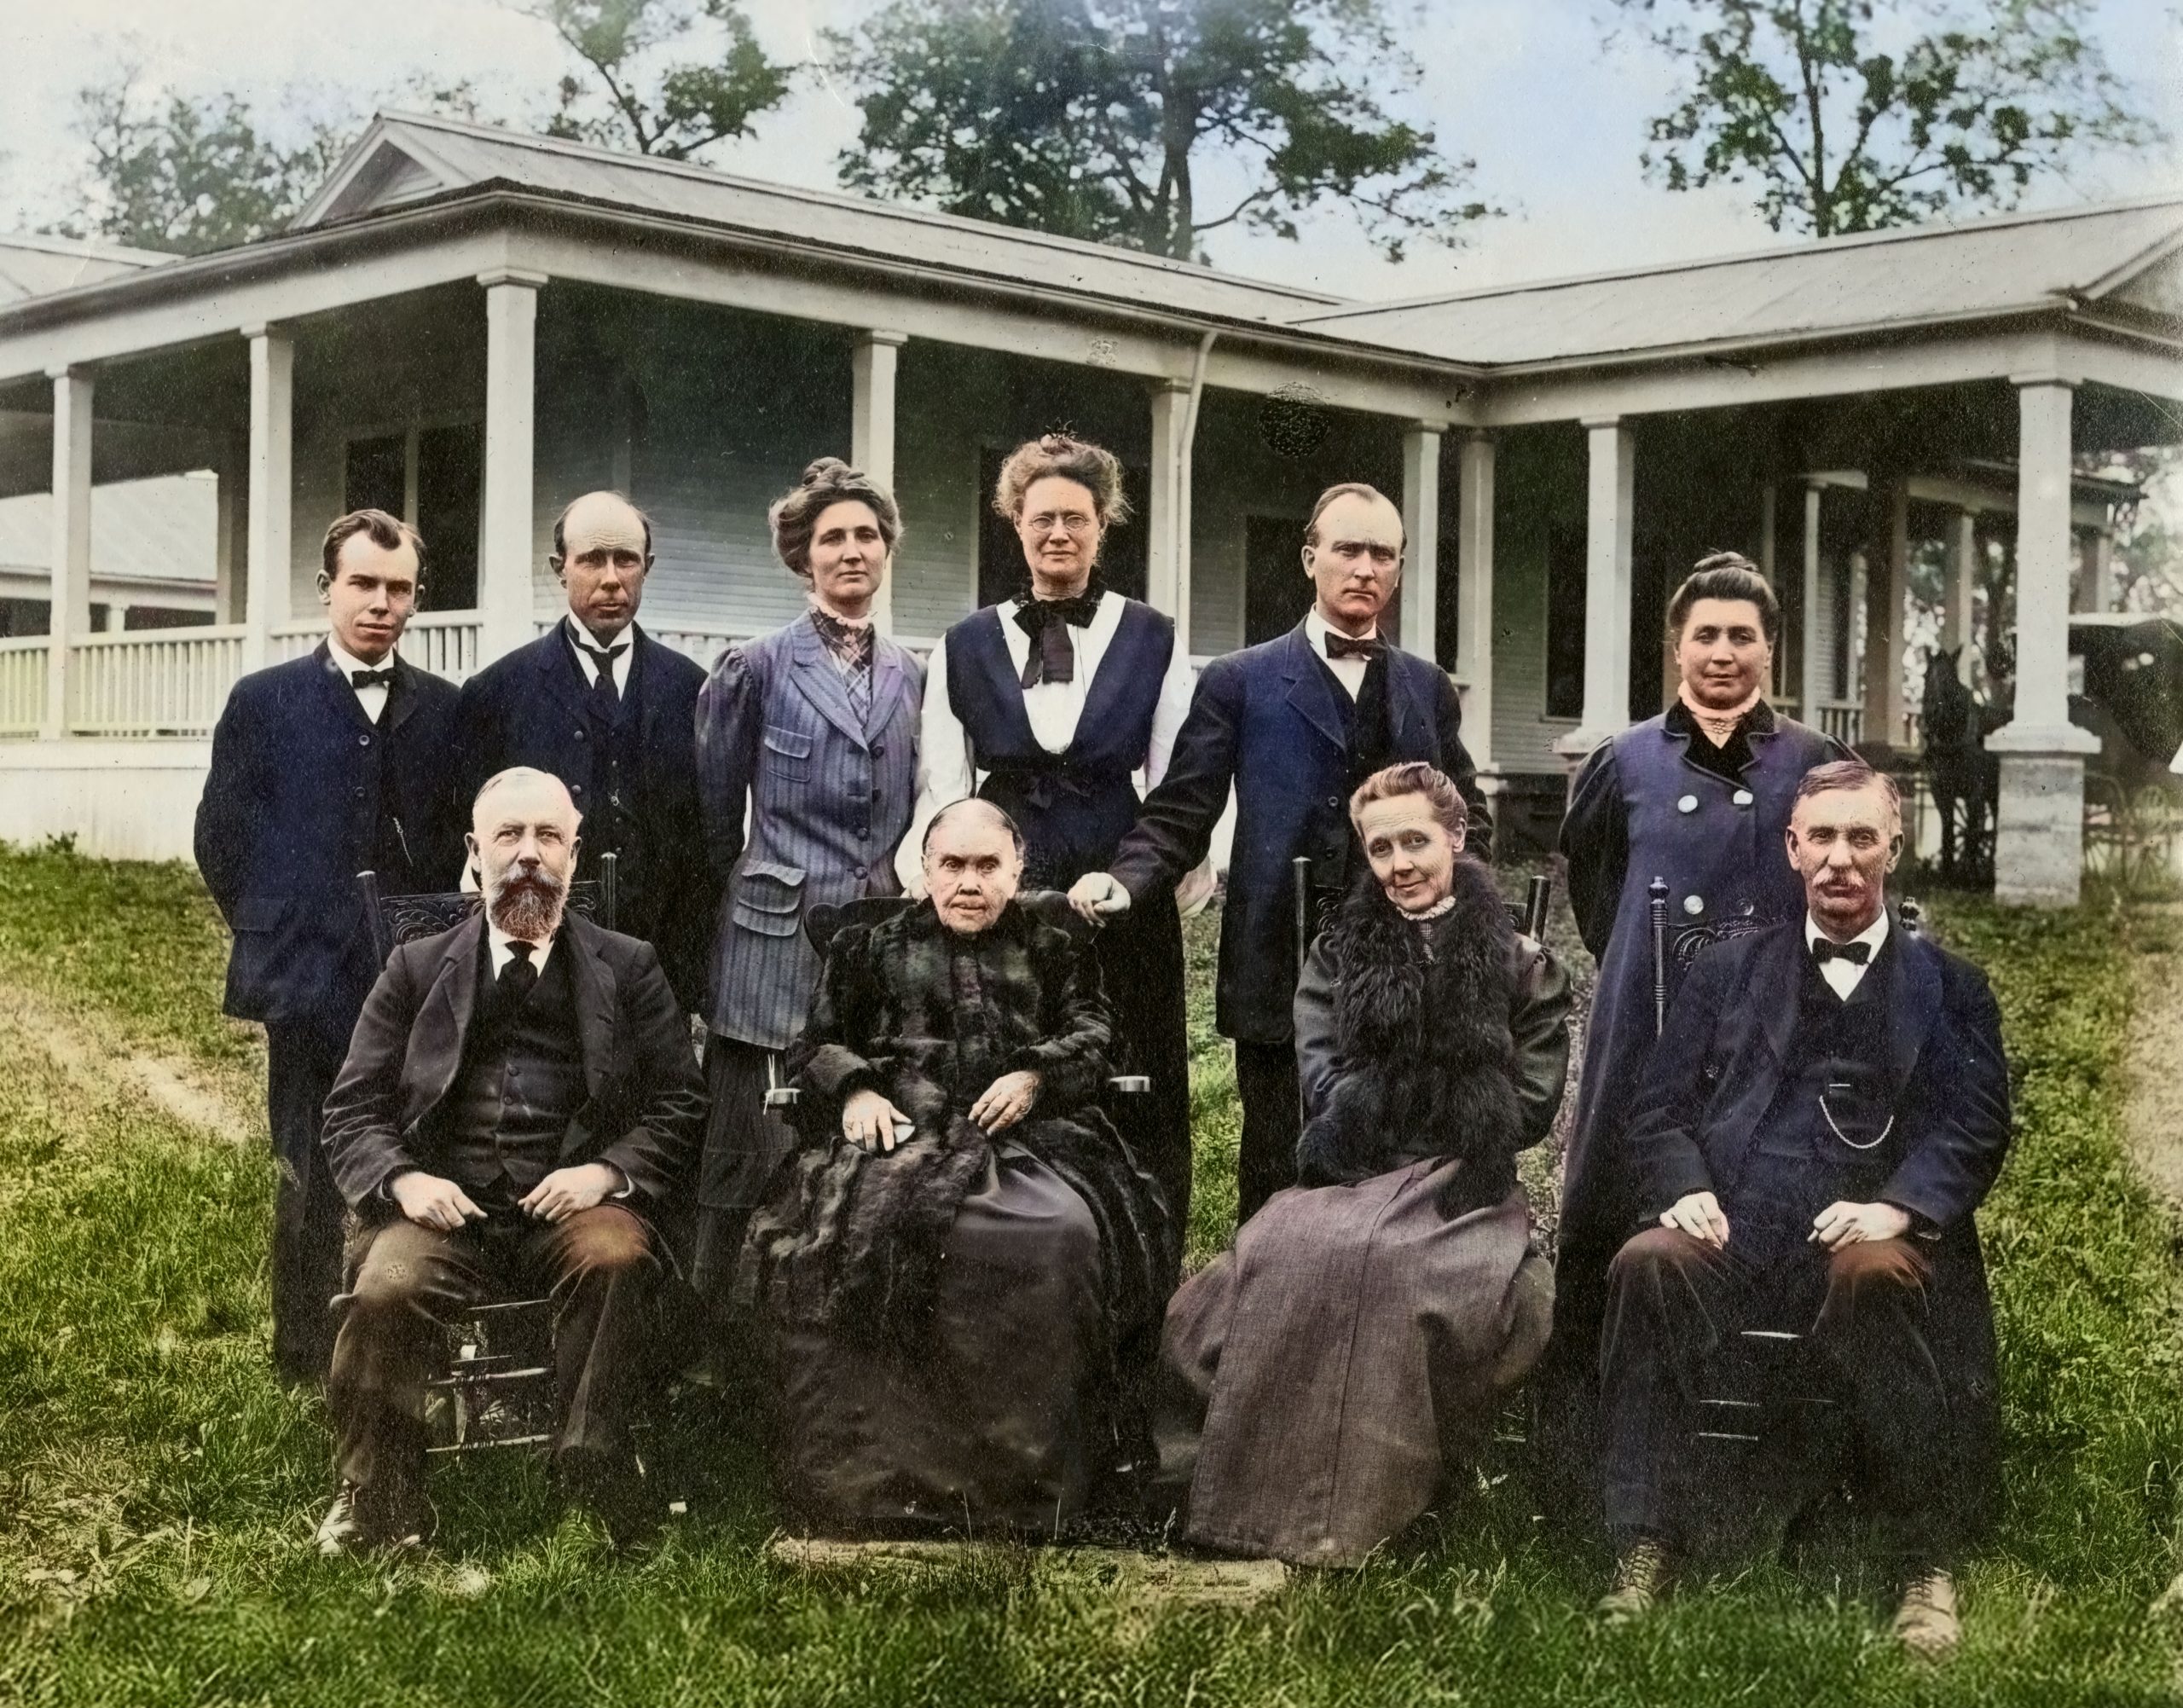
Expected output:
(1566, 578)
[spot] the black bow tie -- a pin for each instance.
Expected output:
(1047, 621)
(372, 679)
(1857, 953)
(1341, 646)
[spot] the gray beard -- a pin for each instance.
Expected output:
(530, 906)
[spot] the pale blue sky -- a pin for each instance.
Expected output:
(1555, 119)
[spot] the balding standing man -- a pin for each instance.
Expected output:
(613, 713)
(1295, 725)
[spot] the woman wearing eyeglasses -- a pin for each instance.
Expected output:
(1051, 705)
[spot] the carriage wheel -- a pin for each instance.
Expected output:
(2156, 822)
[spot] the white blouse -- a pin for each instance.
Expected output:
(945, 775)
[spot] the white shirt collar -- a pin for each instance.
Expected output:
(1845, 976)
(345, 661)
(500, 939)
(1317, 629)
(587, 645)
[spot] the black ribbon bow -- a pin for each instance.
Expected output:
(1342, 646)
(1857, 954)
(1047, 621)
(372, 679)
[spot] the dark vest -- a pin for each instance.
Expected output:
(1826, 1135)
(610, 823)
(520, 1082)
(1073, 807)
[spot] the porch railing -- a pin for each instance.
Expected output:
(22, 685)
(1843, 721)
(161, 681)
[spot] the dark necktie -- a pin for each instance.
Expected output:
(1047, 621)
(602, 658)
(518, 976)
(1341, 646)
(372, 679)
(1857, 954)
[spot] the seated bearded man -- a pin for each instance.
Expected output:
(1328, 1376)
(519, 1112)
(1826, 1108)
(963, 1265)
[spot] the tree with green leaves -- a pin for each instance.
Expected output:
(1850, 116)
(664, 78)
(1121, 120)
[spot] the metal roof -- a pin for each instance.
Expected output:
(163, 528)
(405, 158)
(30, 266)
(1990, 268)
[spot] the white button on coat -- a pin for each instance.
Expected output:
(1742, 797)
(1689, 803)
(1693, 904)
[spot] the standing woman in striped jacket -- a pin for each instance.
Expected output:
(806, 766)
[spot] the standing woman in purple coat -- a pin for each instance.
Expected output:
(1051, 705)
(812, 730)
(1698, 795)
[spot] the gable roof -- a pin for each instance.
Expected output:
(2016, 263)
(33, 266)
(404, 158)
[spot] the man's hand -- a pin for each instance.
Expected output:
(432, 1202)
(564, 1192)
(1844, 1223)
(1099, 897)
(1007, 1101)
(1698, 1215)
(868, 1120)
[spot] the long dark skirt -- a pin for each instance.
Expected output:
(988, 1425)
(1141, 967)
(744, 1144)
(1350, 1352)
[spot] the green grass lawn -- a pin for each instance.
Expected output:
(158, 1488)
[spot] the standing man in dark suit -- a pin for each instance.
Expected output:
(1295, 725)
(610, 711)
(323, 768)
(1826, 1110)
(520, 1107)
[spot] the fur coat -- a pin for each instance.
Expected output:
(1446, 1038)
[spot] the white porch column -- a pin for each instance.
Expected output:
(505, 535)
(272, 490)
(1886, 586)
(69, 613)
(1611, 491)
(1166, 582)
(1769, 518)
(2039, 844)
(1420, 536)
(1812, 691)
(1475, 573)
(227, 545)
(873, 368)
(1962, 589)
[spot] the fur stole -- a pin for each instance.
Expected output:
(1422, 1020)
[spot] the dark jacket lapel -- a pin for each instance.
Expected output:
(887, 681)
(554, 666)
(1311, 689)
(1408, 720)
(443, 1023)
(402, 700)
(1775, 990)
(1914, 970)
(596, 992)
(341, 697)
(820, 683)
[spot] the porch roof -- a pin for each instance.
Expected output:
(2119, 256)
(405, 159)
(32, 266)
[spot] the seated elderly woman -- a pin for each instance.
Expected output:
(1325, 1377)
(962, 1266)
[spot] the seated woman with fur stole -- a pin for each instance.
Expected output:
(1325, 1377)
(962, 1268)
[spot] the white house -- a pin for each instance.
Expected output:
(472, 326)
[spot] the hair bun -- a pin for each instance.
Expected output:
(825, 471)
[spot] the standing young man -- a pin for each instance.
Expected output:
(323, 768)
(599, 704)
(1295, 725)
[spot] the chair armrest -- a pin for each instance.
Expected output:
(784, 1096)
(1130, 1085)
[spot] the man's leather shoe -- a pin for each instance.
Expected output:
(1927, 1623)
(357, 1523)
(1641, 1579)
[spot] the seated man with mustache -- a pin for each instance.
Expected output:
(519, 1112)
(964, 1265)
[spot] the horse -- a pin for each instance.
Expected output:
(1959, 770)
